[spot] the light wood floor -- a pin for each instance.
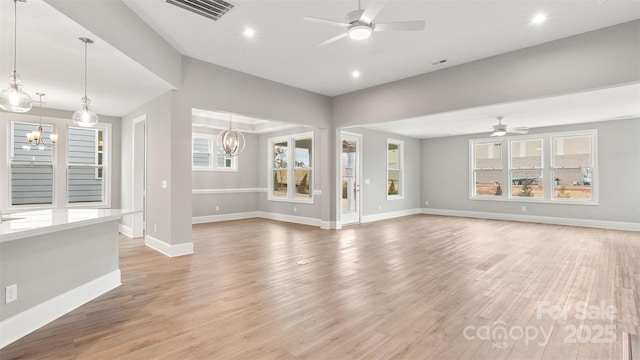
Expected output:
(405, 288)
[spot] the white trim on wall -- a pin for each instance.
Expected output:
(125, 230)
(601, 224)
(168, 249)
(228, 191)
(238, 191)
(258, 214)
(38, 316)
(224, 217)
(389, 215)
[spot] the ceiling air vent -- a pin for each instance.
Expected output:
(213, 9)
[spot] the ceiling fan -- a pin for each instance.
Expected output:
(502, 130)
(359, 23)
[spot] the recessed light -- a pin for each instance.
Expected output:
(355, 74)
(249, 32)
(538, 19)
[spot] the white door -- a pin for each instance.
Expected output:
(350, 178)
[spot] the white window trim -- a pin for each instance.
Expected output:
(543, 169)
(213, 155)
(60, 126)
(400, 195)
(9, 162)
(106, 164)
(291, 192)
(472, 180)
(547, 169)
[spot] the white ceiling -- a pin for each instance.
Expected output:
(50, 58)
(284, 47)
(51, 61)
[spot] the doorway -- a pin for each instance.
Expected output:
(139, 167)
(350, 178)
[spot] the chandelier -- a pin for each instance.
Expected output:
(36, 137)
(230, 142)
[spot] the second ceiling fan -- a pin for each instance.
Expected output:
(359, 23)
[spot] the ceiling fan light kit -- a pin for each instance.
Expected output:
(359, 23)
(502, 130)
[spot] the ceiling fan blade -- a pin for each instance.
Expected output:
(417, 25)
(335, 38)
(372, 10)
(518, 130)
(325, 21)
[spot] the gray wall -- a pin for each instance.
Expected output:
(588, 61)
(445, 179)
(45, 266)
(246, 177)
(374, 168)
(159, 209)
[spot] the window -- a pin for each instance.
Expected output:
(74, 172)
(557, 167)
(395, 178)
(291, 167)
(31, 168)
(572, 167)
(203, 148)
(487, 169)
(85, 166)
(526, 168)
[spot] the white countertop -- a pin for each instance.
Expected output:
(27, 224)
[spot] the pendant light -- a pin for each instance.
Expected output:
(230, 142)
(13, 98)
(35, 137)
(85, 117)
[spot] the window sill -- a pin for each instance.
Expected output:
(537, 201)
(395, 197)
(287, 200)
(214, 170)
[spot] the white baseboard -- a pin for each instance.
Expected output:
(168, 249)
(290, 218)
(389, 215)
(330, 225)
(224, 217)
(257, 214)
(602, 224)
(125, 230)
(36, 317)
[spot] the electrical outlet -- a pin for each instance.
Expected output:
(379, 207)
(524, 208)
(217, 207)
(164, 184)
(155, 227)
(11, 293)
(295, 209)
(426, 203)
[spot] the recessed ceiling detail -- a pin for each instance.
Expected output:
(213, 9)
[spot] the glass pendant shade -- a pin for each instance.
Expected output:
(85, 117)
(13, 98)
(230, 142)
